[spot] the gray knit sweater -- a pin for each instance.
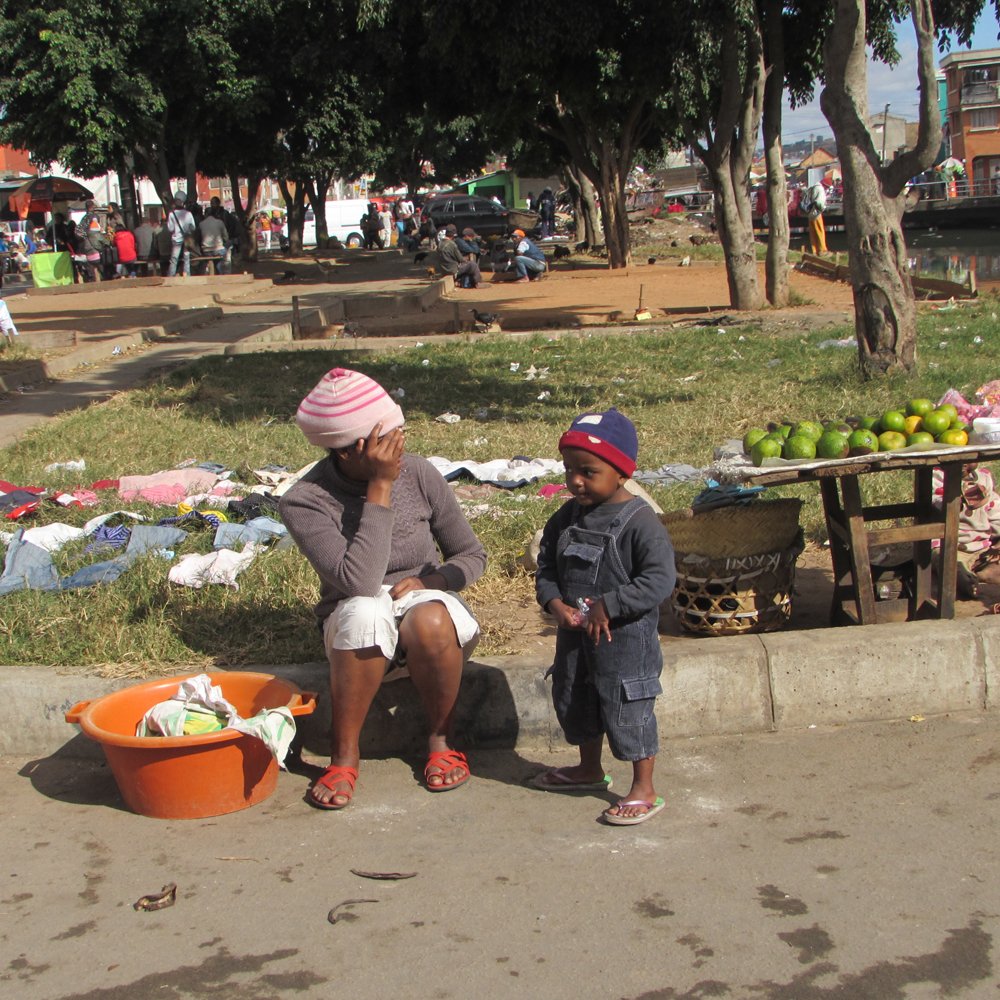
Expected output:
(356, 546)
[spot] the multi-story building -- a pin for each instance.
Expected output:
(973, 87)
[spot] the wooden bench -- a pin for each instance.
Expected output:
(209, 262)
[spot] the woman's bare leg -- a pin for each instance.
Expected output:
(434, 660)
(355, 677)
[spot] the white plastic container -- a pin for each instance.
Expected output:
(985, 430)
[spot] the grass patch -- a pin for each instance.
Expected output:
(687, 390)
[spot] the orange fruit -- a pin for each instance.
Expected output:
(751, 437)
(920, 437)
(918, 407)
(891, 441)
(913, 423)
(937, 422)
(950, 410)
(799, 446)
(953, 437)
(893, 420)
(833, 444)
(862, 442)
(807, 428)
(765, 448)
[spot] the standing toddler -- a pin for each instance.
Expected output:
(604, 567)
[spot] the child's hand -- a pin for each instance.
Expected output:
(564, 614)
(598, 622)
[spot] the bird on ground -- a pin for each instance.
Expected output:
(650, 260)
(581, 247)
(559, 252)
(485, 319)
(685, 262)
(431, 272)
(422, 256)
(285, 277)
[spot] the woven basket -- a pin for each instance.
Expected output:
(739, 530)
(735, 594)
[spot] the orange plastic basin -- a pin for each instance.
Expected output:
(189, 777)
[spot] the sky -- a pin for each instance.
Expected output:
(896, 86)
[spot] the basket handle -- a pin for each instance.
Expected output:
(303, 703)
(73, 714)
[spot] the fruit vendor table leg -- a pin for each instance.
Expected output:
(851, 543)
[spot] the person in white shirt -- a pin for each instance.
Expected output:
(180, 223)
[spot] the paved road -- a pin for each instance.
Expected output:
(829, 863)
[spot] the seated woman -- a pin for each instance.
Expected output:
(391, 546)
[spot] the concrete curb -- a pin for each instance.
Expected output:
(713, 686)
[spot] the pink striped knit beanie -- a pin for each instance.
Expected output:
(345, 406)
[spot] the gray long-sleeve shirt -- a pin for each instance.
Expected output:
(646, 552)
(356, 546)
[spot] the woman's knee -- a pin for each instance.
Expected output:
(428, 626)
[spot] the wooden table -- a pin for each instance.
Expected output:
(851, 541)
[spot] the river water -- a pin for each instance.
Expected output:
(948, 253)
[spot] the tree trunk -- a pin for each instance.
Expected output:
(735, 225)
(317, 190)
(246, 215)
(126, 184)
(614, 215)
(295, 207)
(191, 147)
(727, 155)
(584, 206)
(884, 307)
(156, 168)
(591, 216)
(776, 264)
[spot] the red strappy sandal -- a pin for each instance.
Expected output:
(444, 761)
(334, 775)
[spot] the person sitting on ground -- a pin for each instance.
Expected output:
(450, 261)
(529, 261)
(212, 237)
(408, 239)
(391, 546)
(469, 245)
(127, 253)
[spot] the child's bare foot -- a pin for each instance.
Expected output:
(639, 804)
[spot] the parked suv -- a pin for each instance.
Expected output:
(470, 211)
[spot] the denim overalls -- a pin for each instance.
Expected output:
(609, 687)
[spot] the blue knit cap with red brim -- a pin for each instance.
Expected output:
(609, 435)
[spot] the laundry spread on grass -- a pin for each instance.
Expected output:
(238, 516)
(202, 497)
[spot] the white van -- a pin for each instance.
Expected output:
(343, 220)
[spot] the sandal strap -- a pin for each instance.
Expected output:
(445, 761)
(335, 774)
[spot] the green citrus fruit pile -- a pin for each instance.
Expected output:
(919, 422)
